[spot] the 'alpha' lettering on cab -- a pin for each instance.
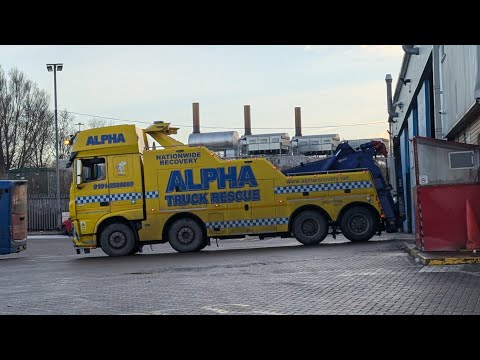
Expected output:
(108, 138)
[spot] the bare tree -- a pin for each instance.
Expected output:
(25, 122)
(36, 132)
(46, 143)
(3, 113)
(66, 127)
(12, 92)
(98, 122)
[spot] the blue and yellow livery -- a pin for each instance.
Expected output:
(125, 195)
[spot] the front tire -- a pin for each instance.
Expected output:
(358, 224)
(310, 227)
(186, 235)
(204, 245)
(117, 240)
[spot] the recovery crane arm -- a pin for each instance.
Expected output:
(161, 131)
(346, 158)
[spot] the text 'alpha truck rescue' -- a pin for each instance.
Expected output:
(125, 195)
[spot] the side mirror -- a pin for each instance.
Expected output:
(79, 170)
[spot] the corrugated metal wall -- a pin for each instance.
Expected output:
(471, 135)
(406, 170)
(475, 133)
(462, 137)
(458, 66)
(422, 110)
(416, 66)
(459, 71)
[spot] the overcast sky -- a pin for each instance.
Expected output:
(333, 85)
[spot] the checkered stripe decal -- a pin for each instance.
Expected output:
(151, 194)
(112, 197)
(250, 222)
(126, 196)
(323, 187)
(92, 199)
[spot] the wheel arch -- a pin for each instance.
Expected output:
(113, 220)
(307, 207)
(359, 204)
(182, 215)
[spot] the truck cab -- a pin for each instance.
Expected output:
(108, 181)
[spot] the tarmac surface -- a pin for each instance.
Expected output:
(250, 276)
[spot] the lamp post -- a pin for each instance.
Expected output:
(55, 68)
(79, 124)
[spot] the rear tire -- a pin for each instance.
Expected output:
(358, 224)
(117, 240)
(136, 249)
(186, 235)
(310, 227)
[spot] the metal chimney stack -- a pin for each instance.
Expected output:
(390, 107)
(248, 125)
(196, 118)
(298, 122)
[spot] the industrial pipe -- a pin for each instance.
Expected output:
(390, 108)
(248, 125)
(298, 121)
(409, 49)
(196, 118)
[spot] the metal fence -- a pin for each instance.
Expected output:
(43, 180)
(41, 211)
(42, 194)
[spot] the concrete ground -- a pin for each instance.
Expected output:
(250, 276)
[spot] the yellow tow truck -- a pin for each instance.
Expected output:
(126, 194)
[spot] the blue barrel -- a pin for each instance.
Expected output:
(13, 218)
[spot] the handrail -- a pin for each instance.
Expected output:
(324, 172)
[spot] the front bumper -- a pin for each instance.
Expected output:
(78, 245)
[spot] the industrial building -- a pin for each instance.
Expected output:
(263, 144)
(224, 143)
(311, 145)
(355, 143)
(281, 150)
(323, 144)
(230, 144)
(437, 95)
(266, 144)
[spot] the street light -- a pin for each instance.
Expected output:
(55, 68)
(79, 124)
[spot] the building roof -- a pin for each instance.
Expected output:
(317, 136)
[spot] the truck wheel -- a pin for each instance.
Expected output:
(204, 245)
(358, 224)
(117, 240)
(310, 227)
(136, 249)
(186, 235)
